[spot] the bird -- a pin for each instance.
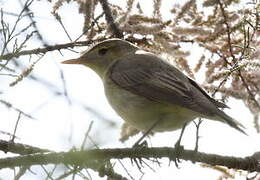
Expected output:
(148, 92)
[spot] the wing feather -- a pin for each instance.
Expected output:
(157, 82)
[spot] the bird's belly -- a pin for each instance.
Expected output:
(142, 113)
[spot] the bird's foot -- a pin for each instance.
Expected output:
(178, 149)
(139, 144)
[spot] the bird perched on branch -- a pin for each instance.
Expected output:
(146, 91)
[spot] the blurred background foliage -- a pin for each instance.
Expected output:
(215, 42)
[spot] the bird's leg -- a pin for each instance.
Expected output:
(178, 143)
(178, 147)
(136, 144)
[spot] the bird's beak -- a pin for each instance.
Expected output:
(73, 61)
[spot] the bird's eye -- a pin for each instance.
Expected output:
(102, 51)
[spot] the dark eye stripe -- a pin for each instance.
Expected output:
(102, 51)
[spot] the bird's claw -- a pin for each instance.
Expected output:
(140, 144)
(178, 150)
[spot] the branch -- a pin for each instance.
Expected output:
(48, 48)
(18, 148)
(30, 151)
(110, 20)
(228, 30)
(90, 158)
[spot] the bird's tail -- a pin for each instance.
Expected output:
(230, 121)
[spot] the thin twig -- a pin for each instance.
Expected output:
(228, 31)
(34, 24)
(63, 27)
(86, 135)
(9, 105)
(16, 125)
(110, 19)
(92, 25)
(233, 56)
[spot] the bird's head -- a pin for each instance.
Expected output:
(102, 55)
